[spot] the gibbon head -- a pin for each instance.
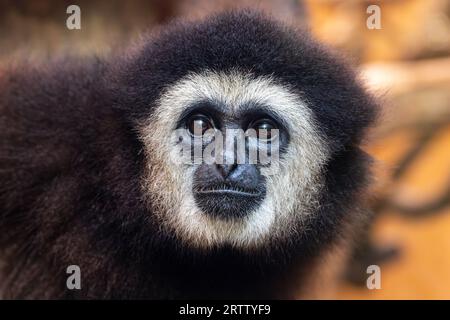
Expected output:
(240, 119)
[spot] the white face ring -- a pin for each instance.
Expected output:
(291, 193)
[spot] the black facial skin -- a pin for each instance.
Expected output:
(229, 190)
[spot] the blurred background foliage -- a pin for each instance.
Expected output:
(406, 64)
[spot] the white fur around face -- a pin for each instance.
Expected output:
(291, 192)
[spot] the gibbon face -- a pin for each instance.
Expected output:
(242, 204)
(243, 77)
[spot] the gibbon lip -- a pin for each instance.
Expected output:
(228, 190)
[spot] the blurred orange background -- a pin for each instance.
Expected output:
(406, 63)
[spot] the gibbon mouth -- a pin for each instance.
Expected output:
(225, 200)
(226, 189)
(230, 191)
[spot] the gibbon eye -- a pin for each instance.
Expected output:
(198, 124)
(264, 129)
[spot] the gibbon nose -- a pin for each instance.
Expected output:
(226, 169)
(244, 175)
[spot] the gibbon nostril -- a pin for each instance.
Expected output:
(225, 169)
